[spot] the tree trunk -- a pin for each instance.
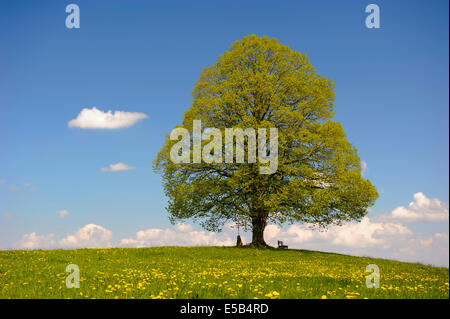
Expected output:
(258, 226)
(239, 241)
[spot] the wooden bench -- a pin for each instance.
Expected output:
(281, 246)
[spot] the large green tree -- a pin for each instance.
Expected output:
(261, 83)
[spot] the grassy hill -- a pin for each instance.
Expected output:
(212, 272)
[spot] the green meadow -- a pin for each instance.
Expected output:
(212, 272)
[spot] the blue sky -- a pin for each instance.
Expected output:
(145, 56)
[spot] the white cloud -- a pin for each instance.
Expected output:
(367, 238)
(117, 167)
(422, 209)
(34, 241)
(2, 180)
(13, 188)
(356, 235)
(433, 250)
(88, 236)
(179, 235)
(97, 119)
(426, 242)
(375, 238)
(63, 213)
(363, 167)
(441, 236)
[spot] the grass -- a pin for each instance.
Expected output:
(212, 272)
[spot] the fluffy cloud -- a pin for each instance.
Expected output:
(180, 235)
(432, 250)
(422, 209)
(117, 167)
(63, 213)
(97, 119)
(34, 241)
(368, 238)
(363, 167)
(95, 236)
(89, 236)
(354, 235)
(383, 238)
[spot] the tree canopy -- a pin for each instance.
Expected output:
(261, 83)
